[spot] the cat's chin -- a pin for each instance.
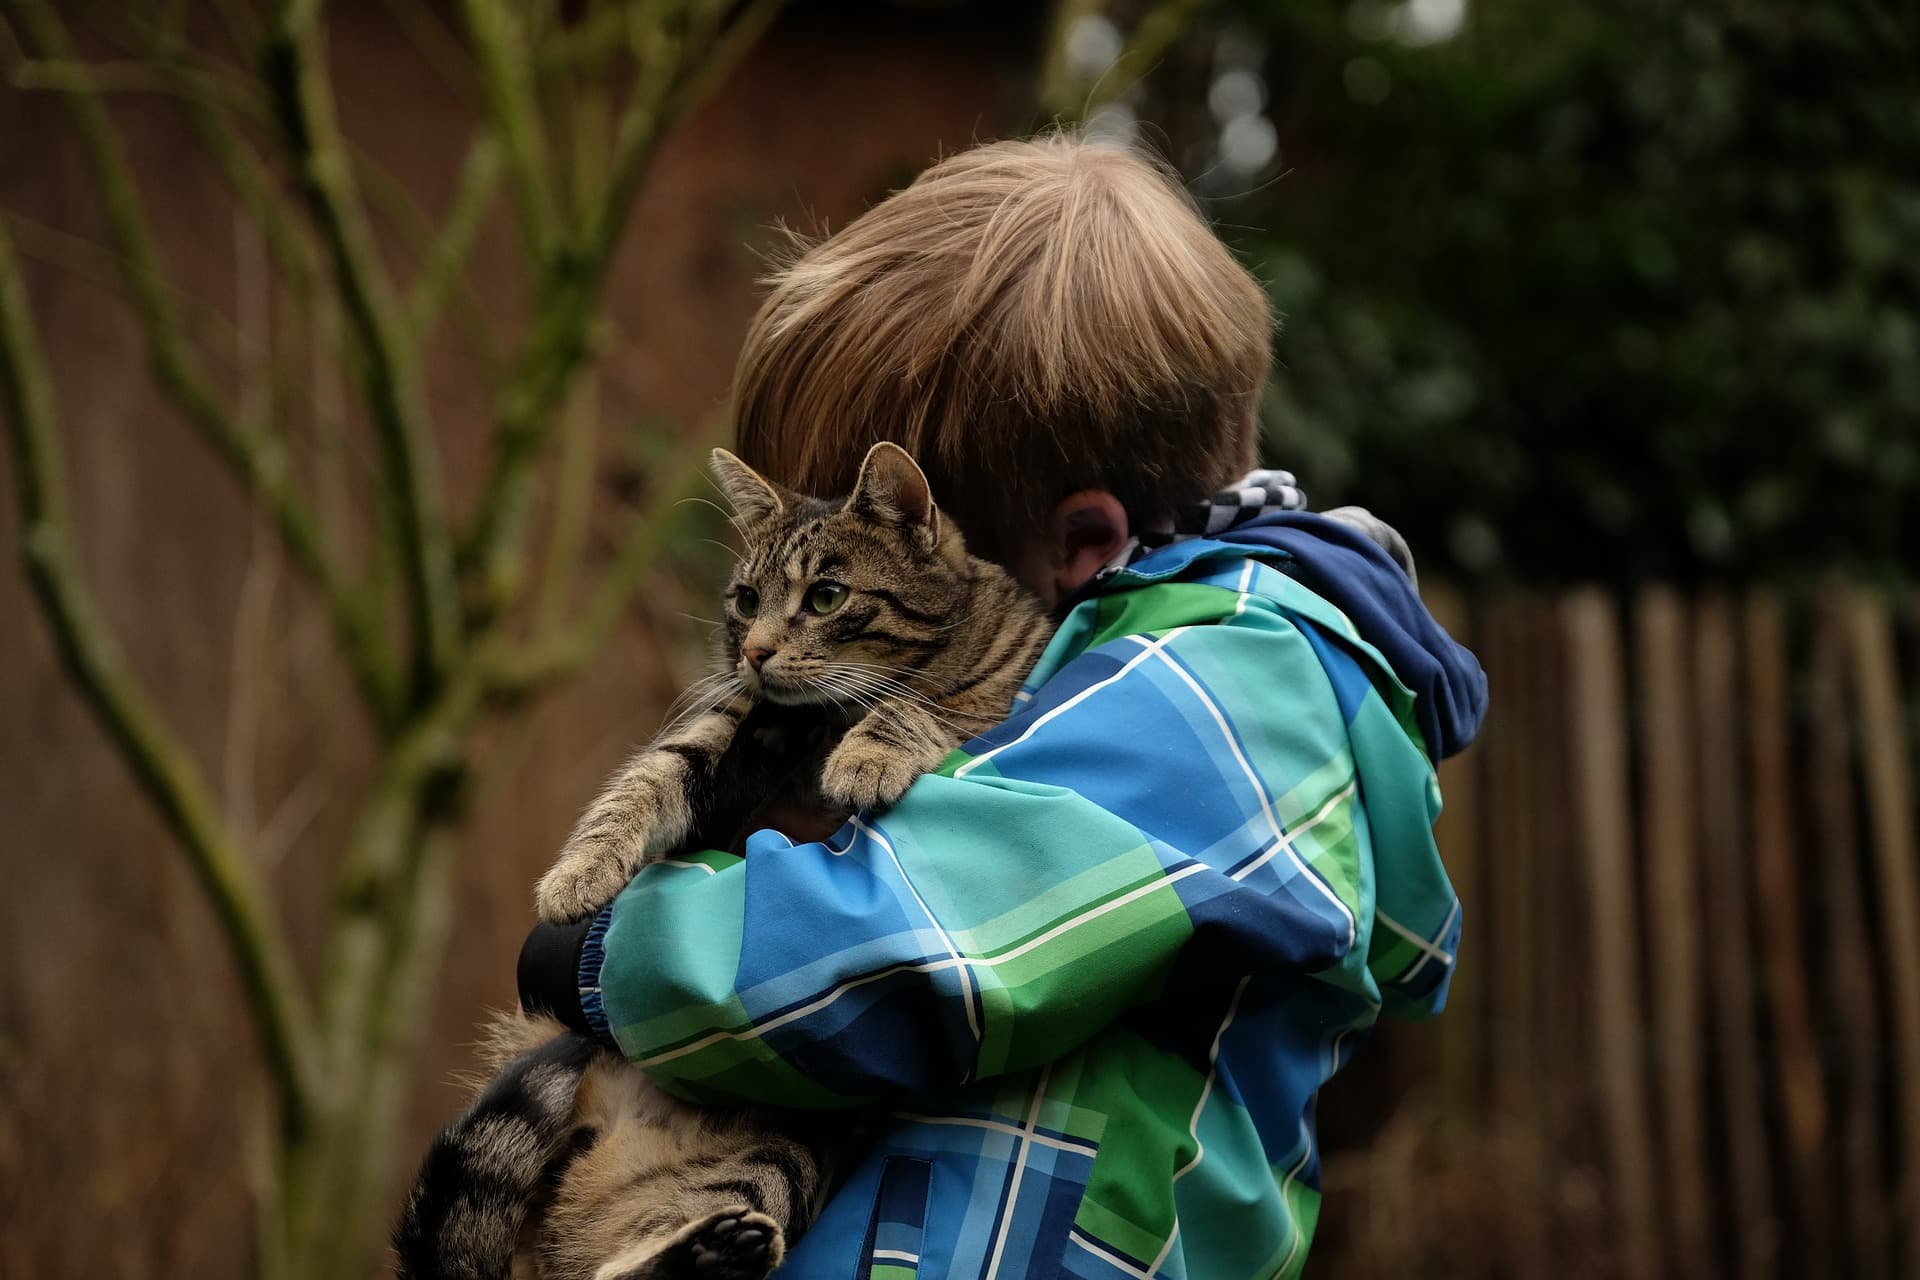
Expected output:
(796, 695)
(801, 695)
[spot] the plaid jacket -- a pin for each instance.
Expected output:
(1096, 968)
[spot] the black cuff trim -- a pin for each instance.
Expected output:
(549, 973)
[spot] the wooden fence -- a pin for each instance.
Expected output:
(1684, 1039)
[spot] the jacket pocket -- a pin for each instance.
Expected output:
(974, 1198)
(898, 1227)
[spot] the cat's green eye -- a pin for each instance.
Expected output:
(824, 597)
(747, 601)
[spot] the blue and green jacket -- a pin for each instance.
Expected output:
(1094, 971)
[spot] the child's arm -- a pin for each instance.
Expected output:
(1173, 806)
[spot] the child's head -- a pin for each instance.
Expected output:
(1033, 320)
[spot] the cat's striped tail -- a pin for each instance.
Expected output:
(470, 1200)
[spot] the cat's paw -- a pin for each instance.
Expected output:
(642, 814)
(866, 774)
(585, 879)
(734, 1244)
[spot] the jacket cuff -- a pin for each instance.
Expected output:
(559, 974)
(593, 955)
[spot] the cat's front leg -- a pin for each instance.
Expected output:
(880, 756)
(645, 811)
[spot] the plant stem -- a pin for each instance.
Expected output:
(505, 65)
(161, 765)
(674, 77)
(560, 651)
(295, 70)
(251, 448)
(448, 253)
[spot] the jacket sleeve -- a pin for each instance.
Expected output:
(1167, 806)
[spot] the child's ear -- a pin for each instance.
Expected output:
(1086, 532)
(754, 498)
(892, 488)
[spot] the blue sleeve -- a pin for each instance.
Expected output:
(1153, 802)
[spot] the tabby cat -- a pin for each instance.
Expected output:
(862, 644)
(868, 609)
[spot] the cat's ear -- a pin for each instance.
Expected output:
(892, 487)
(753, 496)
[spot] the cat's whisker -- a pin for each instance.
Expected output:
(732, 519)
(725, 514)
(888, 686)
(838, 690)
(851, 681)
(702, 696)
(693, 692)
(878, 687)
(881, 669)
(906, 672)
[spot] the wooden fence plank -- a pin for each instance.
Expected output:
(1512, 959)
(1673, 899)
(1595, 707)
(1730, 960)
(1462, 1074)
(1852, 985)
(1795, 1047)
(1563, 924)
(1888, 771)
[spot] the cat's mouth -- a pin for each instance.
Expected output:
(802, 695)
(793, 691)
(793, 695)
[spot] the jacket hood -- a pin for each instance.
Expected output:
(1338, 561)
(1355, 574)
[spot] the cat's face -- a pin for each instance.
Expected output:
(839, 602)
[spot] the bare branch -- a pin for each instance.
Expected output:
(296, 73)
(248, 175)
(710, 53)
(570, 294)
(63, 76)
(393, 203)
(572, 504)
(161, 765)
(252, 449)
(603, 33)
(503, 49)
(479, 175)
(213, 332)
(437, 46)
(558, 653)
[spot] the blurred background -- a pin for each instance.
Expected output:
(357, 360)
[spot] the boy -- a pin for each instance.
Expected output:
(1096, 968)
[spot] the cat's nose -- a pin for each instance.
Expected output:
(756, 656)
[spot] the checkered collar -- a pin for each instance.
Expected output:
(1255, 494)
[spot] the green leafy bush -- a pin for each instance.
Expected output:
(1601, 290)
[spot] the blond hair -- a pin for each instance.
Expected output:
(1030, 319)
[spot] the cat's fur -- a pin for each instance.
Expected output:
(571, 1165)
(927, 650)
